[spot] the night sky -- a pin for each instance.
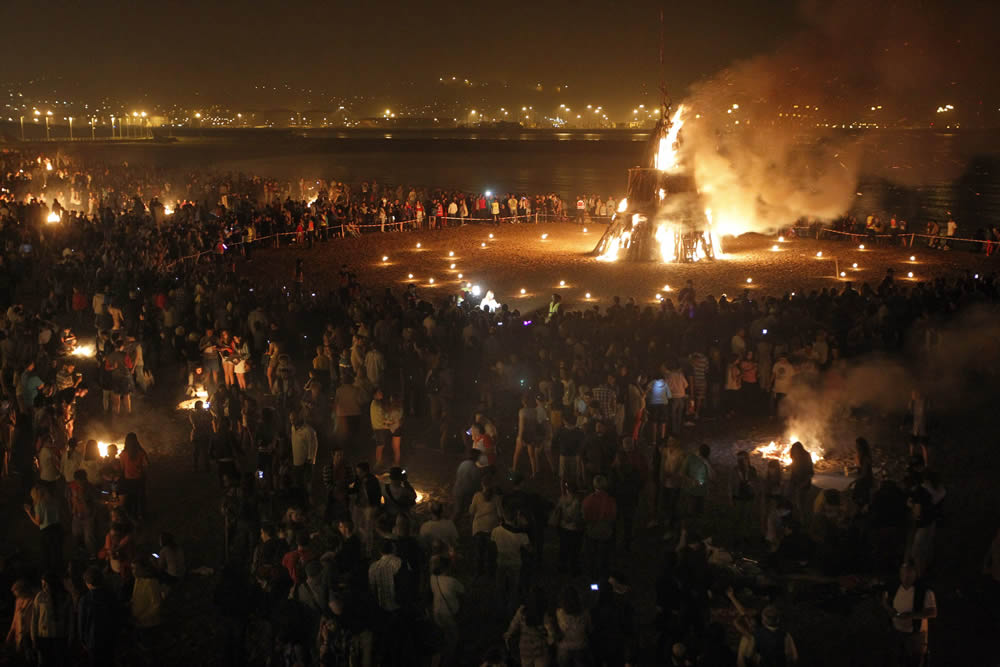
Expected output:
(175, 49)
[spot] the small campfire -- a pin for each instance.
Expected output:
(779, 451)
(189, 403)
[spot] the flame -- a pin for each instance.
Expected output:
(666, 157)
(623, 205)
(200, 395)
(48, 165)
(102, 448)
(53, 217)
(84, 351)
(780, 452)
(168, 210)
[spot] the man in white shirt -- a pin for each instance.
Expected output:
(508, 579)
(304, 448)
(911, 608)
(438, 529)
(782, 374)
(382, 577)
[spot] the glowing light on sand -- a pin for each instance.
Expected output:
(385, 258)
(562, 283)
(587, 295)
(451, 253)
(749, 280)
(453, 266)
(819, 254)
(781, 239)
(430, 281)
(774, 248)
(491, 236)
(545, 236)
(482, 245)
(909, 274)
(913, 258)
(524, 291)
(460, 276)
(418, 246)
(410, 276)
(584, 230)
(855, 265)
(658, 297)
(666, 288)
(843, 273)
(861, 247)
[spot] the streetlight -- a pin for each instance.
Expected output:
(93, 132)
(71, 128)
(22, 128)
(113, 127)
(48, 115)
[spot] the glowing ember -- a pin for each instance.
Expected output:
(819, 254)
(84, 351)
(53, 217)
(861, 247)
(545, 236)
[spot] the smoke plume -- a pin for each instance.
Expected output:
(955, 368)
(760, 170)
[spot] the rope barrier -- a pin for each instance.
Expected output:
(903, 235)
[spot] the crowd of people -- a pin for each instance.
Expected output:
(573, 434)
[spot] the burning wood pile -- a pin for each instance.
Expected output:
(782, 451)
(663, 217)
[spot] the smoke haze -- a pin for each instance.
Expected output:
(760, 171)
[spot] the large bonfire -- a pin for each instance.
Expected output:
(663, 217)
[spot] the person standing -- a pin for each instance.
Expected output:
(44, 513)
(304, 449)
(782, 374)
(448, 592)
(380, 430)
(910, 608)
(52, 614)
(486, 510)
(509, 544)
(769, 644)
(98, 620)
(600, 512)
(678, 386)
(135, 463)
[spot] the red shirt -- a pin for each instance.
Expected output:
(133, 467)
